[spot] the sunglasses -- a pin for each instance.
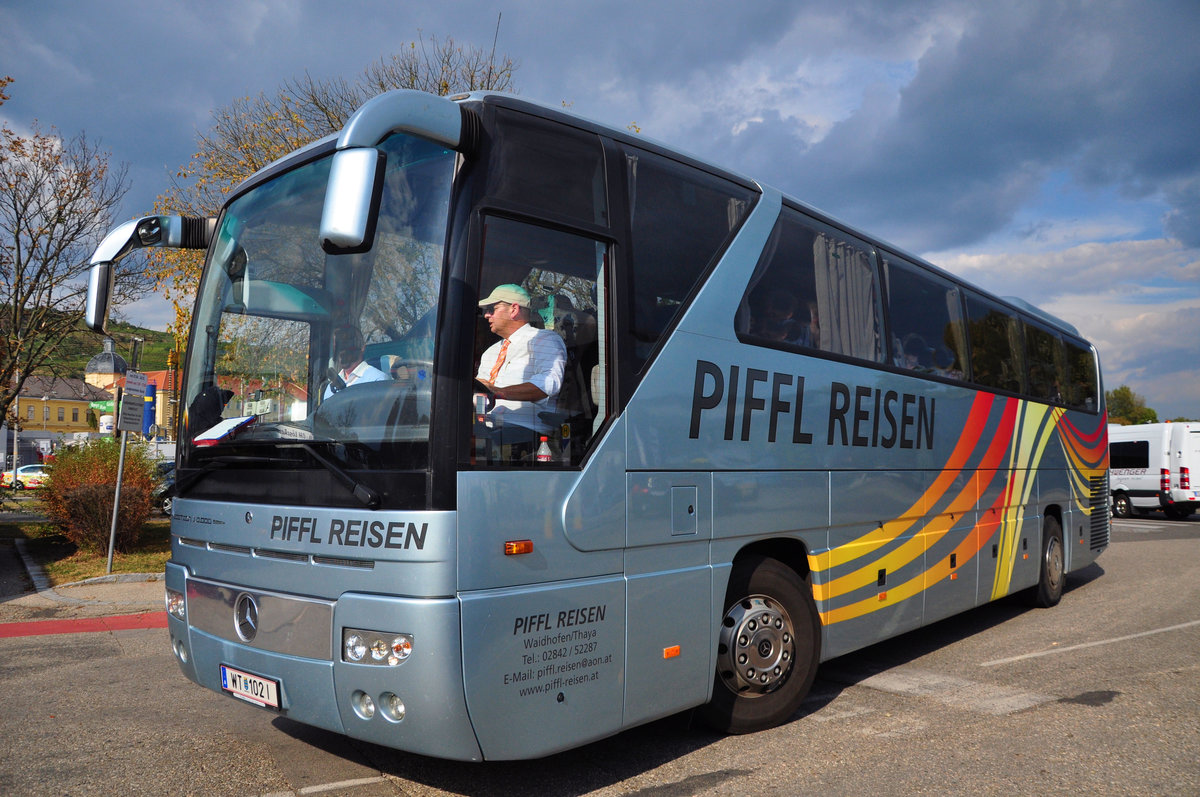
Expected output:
(489, 309)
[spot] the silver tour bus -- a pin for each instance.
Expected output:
(735, 438)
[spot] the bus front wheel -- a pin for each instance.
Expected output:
(1052, 575)
(769, 648)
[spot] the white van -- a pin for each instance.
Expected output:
(1150, 467)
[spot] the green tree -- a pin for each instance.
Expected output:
(1126, 407)
(57, 198)
(252, 132)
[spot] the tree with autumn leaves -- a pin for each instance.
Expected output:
(252, 132)
(57, 199)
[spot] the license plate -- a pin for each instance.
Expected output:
(251, 688)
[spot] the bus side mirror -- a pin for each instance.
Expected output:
(352, 201)
(175, 232)
(100, 285)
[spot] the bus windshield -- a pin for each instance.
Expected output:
(295, 351)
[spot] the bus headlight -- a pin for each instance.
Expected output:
(375, 647)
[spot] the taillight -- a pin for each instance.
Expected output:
(1164, 480)
(1185, 479)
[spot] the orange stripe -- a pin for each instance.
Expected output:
(939, 525)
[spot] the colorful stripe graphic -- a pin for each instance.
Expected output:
(1008, 456)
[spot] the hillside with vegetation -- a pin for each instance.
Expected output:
(72, 356)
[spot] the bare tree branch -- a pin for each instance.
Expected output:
(57, 197)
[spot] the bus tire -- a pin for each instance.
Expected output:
(768, 650)
(1052, 570)
(1122, 506)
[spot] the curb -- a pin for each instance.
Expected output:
(41, 582)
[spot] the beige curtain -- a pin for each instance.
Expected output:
(846, 302)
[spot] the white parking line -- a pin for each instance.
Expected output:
(958, 692)
(1114, 640)
(326, 787)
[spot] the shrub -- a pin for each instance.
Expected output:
(89, 524)
(79, 492)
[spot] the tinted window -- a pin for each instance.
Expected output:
(563, 275)
(1047, 359)
(1082, 390)
(927, 326)
(997, 359)
(553, 169)
(680, 219)
(815, 288)
(1132, 455)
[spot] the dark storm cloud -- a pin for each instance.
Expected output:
(1106, 92)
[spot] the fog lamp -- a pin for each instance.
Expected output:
(392, 706)
(364, 706)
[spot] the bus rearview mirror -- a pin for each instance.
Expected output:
(352, 200)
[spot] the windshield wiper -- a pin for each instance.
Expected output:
(216, 463)
(362, 492)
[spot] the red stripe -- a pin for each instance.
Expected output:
(85, 625)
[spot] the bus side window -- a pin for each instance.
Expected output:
(680, 220)
(564, 276)
(1082, 391)
(1047, 364)
(927, 325)
(997, 351)
(814, 288)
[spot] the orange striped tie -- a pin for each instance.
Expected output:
(499, 362)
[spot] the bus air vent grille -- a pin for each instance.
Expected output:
(1099, 505)
(287, 556)
(238, 549)
(333, 561)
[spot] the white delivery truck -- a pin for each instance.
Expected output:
(1151, 467)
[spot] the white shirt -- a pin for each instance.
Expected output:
(362, 373)
(536, 356)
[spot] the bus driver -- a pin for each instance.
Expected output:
(524, 369)
(348, 354)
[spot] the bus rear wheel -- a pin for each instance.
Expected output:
(1052, 577)
(769, 648)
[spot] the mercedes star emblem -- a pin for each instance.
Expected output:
(245, 617)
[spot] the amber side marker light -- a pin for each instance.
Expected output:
(671, 652)
(517, 547)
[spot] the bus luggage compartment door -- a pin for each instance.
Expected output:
(539, 659)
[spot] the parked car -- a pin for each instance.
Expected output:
(164, 494)
(28, 477)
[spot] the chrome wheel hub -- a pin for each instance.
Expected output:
(757, 646)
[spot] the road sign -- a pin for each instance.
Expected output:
(132, 401)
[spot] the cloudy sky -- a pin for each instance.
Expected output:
(1049, 150)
